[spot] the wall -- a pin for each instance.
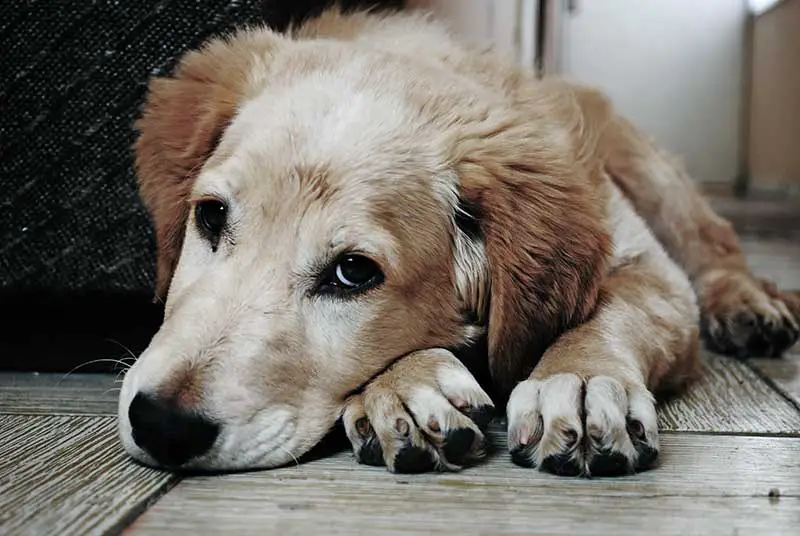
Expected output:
(774, 151)
(508, 24)
(674, 67)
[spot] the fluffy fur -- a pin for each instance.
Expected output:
(498, 206)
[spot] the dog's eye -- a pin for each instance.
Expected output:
(211, 216)
(351, 273)
(354, 271)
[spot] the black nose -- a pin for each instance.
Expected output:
(170, 434)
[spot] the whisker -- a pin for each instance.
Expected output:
(121, 373)
(111, 389)
(93, 361)
(297, 463)
(130, 352)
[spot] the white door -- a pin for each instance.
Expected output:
(673, 67)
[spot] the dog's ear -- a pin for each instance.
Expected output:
(183, 119)
(536, 189)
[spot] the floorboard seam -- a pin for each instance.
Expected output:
(54, 414)
(130, 518)
(774, 385)
(788, 435)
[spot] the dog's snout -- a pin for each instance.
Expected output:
(169, 433)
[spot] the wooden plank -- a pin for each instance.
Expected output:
(706, 484)
(784, 372)
(69, 475)
(759, 220)
(729, 397)
(30, 393)
(777, 259)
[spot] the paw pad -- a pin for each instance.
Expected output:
(458, 444)
(562, 464)
(371, 452)
(412, 459)
(608, 463)
(520, 456)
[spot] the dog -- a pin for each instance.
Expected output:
(346, 210)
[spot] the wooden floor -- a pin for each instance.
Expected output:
(730, 465)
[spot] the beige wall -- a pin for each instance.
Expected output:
(774, 133)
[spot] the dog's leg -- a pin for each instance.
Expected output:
(741, 315)
(426, 412)
(588, 408)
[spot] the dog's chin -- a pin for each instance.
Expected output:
(268, 441)
(234, 450)
(211, 465)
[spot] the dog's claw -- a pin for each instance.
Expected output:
(425, 413)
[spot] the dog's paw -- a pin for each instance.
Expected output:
(567, 426)
(425, 413)
(745, 317)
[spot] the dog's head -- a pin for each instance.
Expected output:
(322, 210)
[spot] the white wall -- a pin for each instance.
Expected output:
(757, 7)
(508, 24)
(673, 67)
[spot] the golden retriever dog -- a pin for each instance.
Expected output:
(346, 211)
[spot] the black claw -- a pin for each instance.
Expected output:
(760, 342)
(608, 463)
(572, 438)
(561, 464)
(647, 455)
(783, 337)
(751, 336)
(636, 429)
(521, 456)
(413, 459)
(371, 452)
(458, 444)
(721, 344)
(481, 416)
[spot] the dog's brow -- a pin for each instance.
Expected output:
(315, 183)
(213, 185)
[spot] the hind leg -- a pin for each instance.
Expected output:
(741, 315)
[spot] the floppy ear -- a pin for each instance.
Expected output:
(183, 119)
(537, 185)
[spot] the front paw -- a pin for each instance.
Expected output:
(569, 426)
(745, 317)
(425, 413)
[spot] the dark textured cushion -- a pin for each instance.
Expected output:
(72, 80)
